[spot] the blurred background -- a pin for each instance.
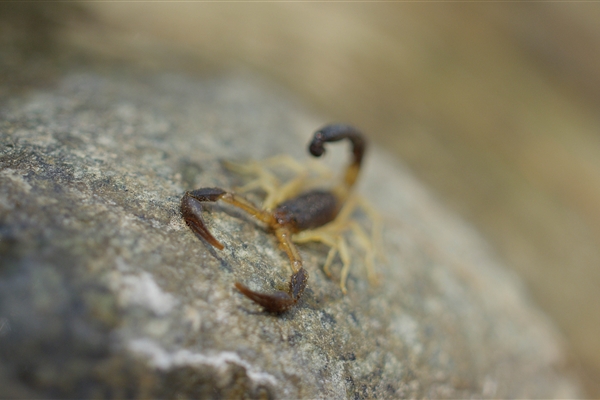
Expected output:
(492, 105)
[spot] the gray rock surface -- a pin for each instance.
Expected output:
(104, 291)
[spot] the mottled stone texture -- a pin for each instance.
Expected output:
(104, 291)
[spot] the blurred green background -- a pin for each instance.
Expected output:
(493, 105)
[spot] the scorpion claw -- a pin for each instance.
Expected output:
(207, 194)
(280, 301)
(191, 208)
(277, 302)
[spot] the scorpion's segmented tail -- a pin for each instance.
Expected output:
(334, 133)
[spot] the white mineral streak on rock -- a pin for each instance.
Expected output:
(142, 290)
(166, 360)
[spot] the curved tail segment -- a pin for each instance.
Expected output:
(334, 133)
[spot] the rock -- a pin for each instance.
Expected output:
(105, 292)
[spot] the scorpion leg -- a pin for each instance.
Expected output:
(266, 180)
(332, 235)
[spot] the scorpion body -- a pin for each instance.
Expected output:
(309, 210)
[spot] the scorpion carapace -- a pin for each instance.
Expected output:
(309, 210)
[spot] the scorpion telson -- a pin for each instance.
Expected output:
(309, 210)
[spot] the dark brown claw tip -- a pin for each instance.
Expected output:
(191, 209)
(278, 302)
(207, 194)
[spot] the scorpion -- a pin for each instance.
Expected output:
(309, 210)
